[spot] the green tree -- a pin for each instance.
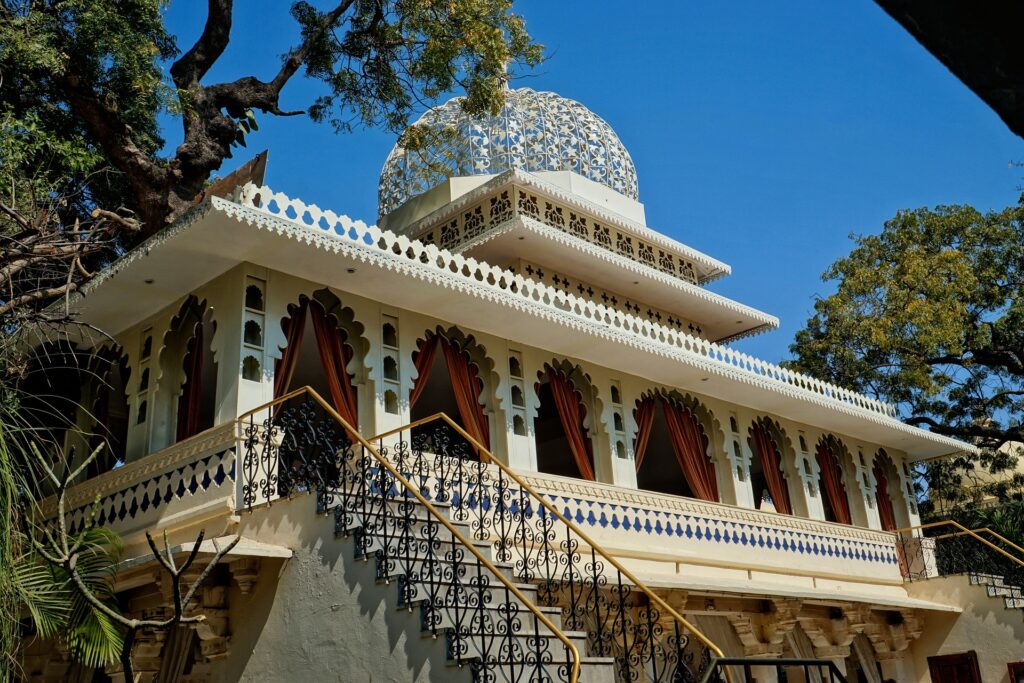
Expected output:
(929, 315)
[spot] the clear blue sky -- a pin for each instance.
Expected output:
(763, 133)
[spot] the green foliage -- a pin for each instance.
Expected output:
(929, 315)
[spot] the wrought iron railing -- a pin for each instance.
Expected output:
(947, 547)
(623, 619)
(299, 444)
(783, 666)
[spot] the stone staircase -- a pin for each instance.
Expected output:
(996, 587)
(483, 625)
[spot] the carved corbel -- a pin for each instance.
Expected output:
(763, 634)
(245, 572)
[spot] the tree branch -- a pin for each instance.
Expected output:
(194, 64)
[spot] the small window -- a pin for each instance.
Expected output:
(147, 347)
(617, 420)
(142, 413)
(803, 443)
(515, 369)
(517, 396)
(518, 425)
(253, 334)
(732, 424)
(389, 335)
(251, 369)
(860, 454)
(620, 450)
(740, 474)
(391, 402)
(807, 466)
(390, 368)
(254, 298)
(144, 380)
(616, 395)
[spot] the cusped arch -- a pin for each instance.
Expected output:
(789, 459)
(482, 363)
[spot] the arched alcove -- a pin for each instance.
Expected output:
(835, 472)
(109, 409)
(187, 390)
(454, 377)
(772, 468)
(325, 348)
(891, 500)
(675, 446)
(563, 423)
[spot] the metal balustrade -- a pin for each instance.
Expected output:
(947, 547)
(431, 504)
(782, 668)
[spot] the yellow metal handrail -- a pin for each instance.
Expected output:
(961, 530)
(575, 670)
(651, 595)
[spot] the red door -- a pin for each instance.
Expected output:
(958, 668)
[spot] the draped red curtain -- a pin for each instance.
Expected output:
(767, 452)
(284, 367)
(335, 356)
(832, 483)
(423, 363)
(190, 401)
(886, 512)
(571, 414)
(644, 415)
(690, 445)
(467, 387)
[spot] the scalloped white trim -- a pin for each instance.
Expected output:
(384, 249)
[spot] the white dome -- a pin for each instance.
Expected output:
(534, 131)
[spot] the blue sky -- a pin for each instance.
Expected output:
(763, 133)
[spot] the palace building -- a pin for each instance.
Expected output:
(613, 493)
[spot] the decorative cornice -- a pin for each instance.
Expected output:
(714, 268)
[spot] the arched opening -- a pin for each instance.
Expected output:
(888, 492)
(563, 439)
(109, 410)
(767, 475)
(189, 341)
(671, 448)
(324, 364)
(832, 483)
(449, 381)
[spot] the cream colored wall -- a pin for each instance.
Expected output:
(985, 626)
(322, 615)
(729, 448)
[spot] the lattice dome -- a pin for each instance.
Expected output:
(534, 131)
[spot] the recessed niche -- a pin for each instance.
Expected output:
(144, 380)
(620, 450)
(390, 368)
(253, 333)
(617, 420)
(518, 425)
(803, 443)
(391, 402)
(740, 473)
(616, 395)
(141, 417)
(251, 369)
(517, 396)
(807, 466)
(515, 369)
(733, 425)
(254, 298)
(147, 347)
(389, 335)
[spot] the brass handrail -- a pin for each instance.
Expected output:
(651, 595)
(575, 671)
(964, 531)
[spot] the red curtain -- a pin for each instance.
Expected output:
(832, 483)
(886, 512)
(644, 415)
(334, 356)
(467, 387)
(571, 414)
(424, 362)
(190, 401)
(768, 454)
(284, 367)
(690, 445)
